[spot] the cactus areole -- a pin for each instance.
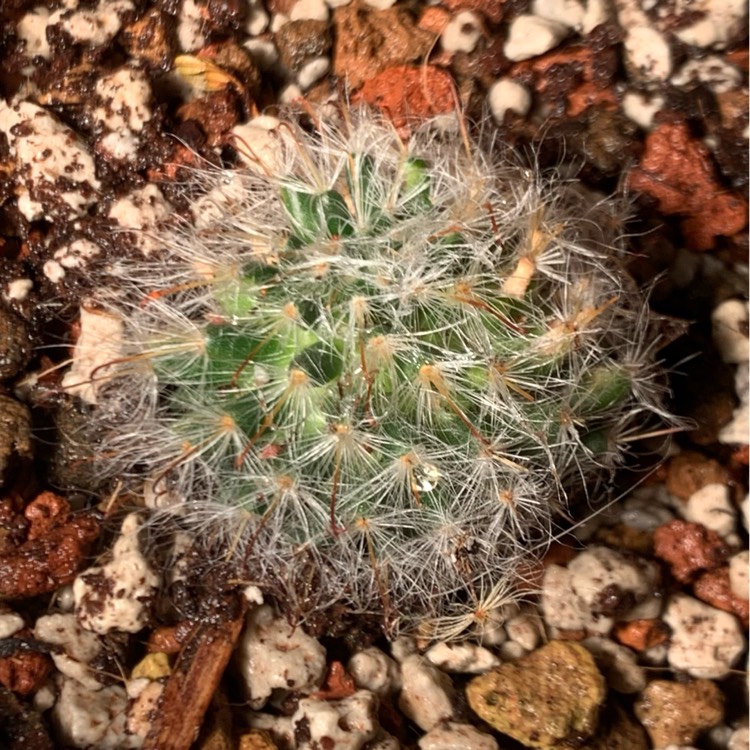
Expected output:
(387, 362)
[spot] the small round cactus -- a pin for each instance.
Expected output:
(374, 370)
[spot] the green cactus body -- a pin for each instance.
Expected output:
(405, 382)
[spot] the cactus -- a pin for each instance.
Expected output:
(375, 370)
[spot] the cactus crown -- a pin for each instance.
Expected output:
(387, 360)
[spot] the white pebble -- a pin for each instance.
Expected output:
(712, 507)
(462, 32)
(512, 651)
(647, 508)
(525, 629)
(618, 664)
(738, 574)
(569, 13)
(312, 71)
(508, 95)
(740, 739)
(379, 4)
(737, 430)
(261, 144)
(278, 21)
(453, 736)
(403, 647)
(309, 10)
(345, 724)
(257, 18)
(728, 323)
(641, 108)
(118, 596)
(705, 641)
(374, 670)
(263, 51)
(427, 693)
(466, 658)
(598, 570)
(272, 654)
(562, 608)
(648, 54)
(530, 36)
(10, 622)
(719, 21)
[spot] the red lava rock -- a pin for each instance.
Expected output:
(169, 639)
(53, 552)
(409, 93)
(577, 75)
(713, 587)
(434, 19)
(676, 170)
(25, 671)
(369, 41)
(641, 634)
(689, 548)
(216, 113)
(339, 683)
(690, 471)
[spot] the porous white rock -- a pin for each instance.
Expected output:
(190, 26)
(99, 343)
(712, 507)
(569, 13)
(507, 95)
(530, 36)
(739, 740)
(617, 663)
(125, 97)
(737, 429)
(597, 12)
(261, 143)
(705, 641)
(10, 622)
(263, 51)
(118, 595)
(454, 736)
(713, 70)
(309, 10)
(92, 26)
(88, 718)
(31, 29)
(45, 150)
(647, 54)
(402, 647)
(373, 670)
(273, 655)
(738, 574)
(718, 22)
(641, 108)
(465, 658)
(345, 724)
(18, 289)
(279, 727)
(74, 255)
(462, 32)
(427, 693)
(144, 698)
(379, 4)
(278, 21)
(79, 647)
(140, 212)
(384, 741)
(729, 323)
